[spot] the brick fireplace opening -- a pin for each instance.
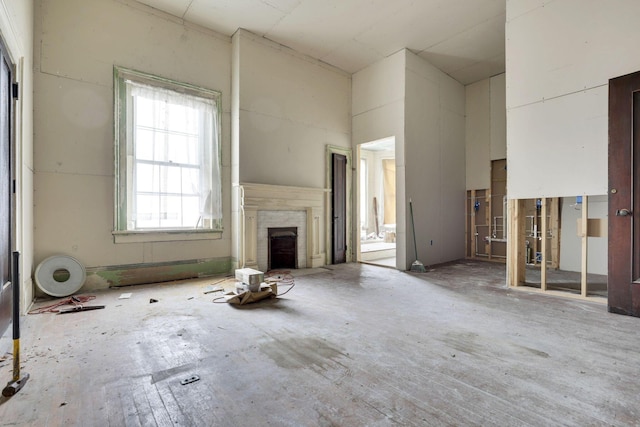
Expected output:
(283, 247)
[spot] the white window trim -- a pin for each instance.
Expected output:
(120, 233)
(165, 236)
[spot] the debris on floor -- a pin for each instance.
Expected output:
(79, 308)
(75, 301)
(126, 295)
(264, 292)
(191, 379)
(246, 293)
(152, 300)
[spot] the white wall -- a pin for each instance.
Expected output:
(434, 153)
(485, 129)
(498, 103)
(287, 108)
(16, 30)
(559, 57)
(478, 135)
(378, 101)
(378, 108)
(77, 43)
(406, 97)
(290, 108)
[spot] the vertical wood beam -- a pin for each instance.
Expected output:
(585, 238)
(543, 246)
(473, 224)
(487, 216)
(515, 239)
(555, 232)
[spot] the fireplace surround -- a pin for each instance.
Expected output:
(263, 206)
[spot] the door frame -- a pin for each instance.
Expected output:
(6, 292)
(339, 208)
(330, 150)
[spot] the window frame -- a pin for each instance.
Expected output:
(122, 122)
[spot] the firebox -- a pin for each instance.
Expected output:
(283, 247)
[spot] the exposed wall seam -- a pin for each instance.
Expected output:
(543, 100)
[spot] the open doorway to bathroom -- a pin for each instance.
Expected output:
(377, 202)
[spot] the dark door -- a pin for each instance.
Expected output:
(624, 200)
(339, 208)
(6, 186)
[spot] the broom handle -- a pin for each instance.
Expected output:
(413, 229)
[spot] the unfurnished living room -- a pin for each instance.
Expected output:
(319, 212)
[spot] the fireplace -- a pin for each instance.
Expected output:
(265, 206)
(283, 247)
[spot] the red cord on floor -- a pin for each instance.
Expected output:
(54, 308)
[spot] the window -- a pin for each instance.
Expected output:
(167, 155)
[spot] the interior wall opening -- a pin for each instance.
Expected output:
(377, 202)
(560, 245)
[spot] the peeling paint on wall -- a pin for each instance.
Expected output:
(137, 274)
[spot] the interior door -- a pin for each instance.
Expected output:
(6, 190)
(624, 200)
(339, 208)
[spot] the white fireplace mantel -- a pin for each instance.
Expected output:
(264, 197)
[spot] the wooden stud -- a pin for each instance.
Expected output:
(473, 224)
(543, 246)
(555, 232)
(467, 219)
(515, 243)
(487, 219)
(585, 240)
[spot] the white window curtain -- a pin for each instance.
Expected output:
(176, 128)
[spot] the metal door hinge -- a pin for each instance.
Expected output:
(15, 90)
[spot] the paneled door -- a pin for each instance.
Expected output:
(339, 208)
(624, 195)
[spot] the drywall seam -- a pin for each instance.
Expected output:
(285, 49)
(543, 100)
(172, 18)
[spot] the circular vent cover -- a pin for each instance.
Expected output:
(60, 275)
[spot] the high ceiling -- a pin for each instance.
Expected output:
(463, 38)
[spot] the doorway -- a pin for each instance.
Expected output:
(6, 188)
(377, 202)
(624, 195)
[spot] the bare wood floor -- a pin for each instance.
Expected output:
(353, 345)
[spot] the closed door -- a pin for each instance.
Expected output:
(339, 208)
(624, 195)
(6, 190)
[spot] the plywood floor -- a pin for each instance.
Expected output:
(353, 345)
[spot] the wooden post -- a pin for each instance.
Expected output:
(473, 224)
(555, 232)
(543, 246)
(488, 218)
(585, 239)
(515, 238)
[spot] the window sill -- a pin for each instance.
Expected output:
(165, 236)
